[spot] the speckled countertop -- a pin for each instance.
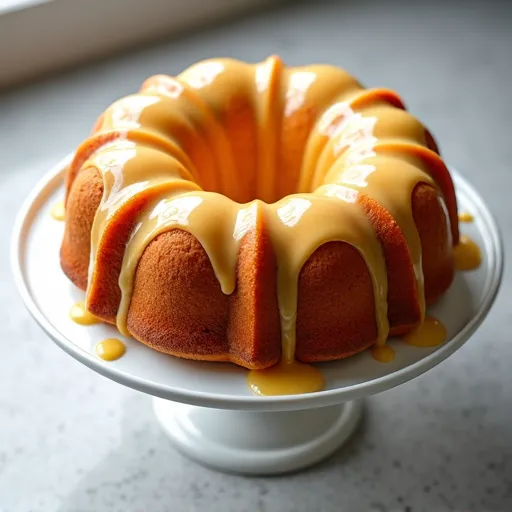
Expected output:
(71, 440)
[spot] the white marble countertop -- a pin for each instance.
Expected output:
(71, 440)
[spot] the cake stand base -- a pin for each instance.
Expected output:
(257, 443)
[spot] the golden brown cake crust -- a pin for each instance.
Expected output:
(178, 306)
(336, 309)
(436, 242)
(81, 205)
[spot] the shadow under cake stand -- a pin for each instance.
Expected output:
(207, 409)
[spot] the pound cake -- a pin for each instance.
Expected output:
(258, 213)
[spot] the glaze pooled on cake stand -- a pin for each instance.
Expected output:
(207, 409)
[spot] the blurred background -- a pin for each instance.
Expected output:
(71, 440)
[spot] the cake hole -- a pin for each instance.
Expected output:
(245, 186)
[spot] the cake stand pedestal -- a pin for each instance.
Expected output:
(206, 409)
(257, 443)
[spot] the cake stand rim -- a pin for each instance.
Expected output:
(47, 185)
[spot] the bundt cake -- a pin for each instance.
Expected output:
(257, 213)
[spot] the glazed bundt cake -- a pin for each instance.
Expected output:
(252, 213)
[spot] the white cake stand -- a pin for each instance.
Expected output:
(207, 409)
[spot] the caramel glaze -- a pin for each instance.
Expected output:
(466, 217)
(430, 334)
(286, 378)
(110, 349)
(383, 354)
(170, 151)
(81, 316)
(58, 211)
(467, 254)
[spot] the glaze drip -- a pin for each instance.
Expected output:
(81, 316)
(286, 379)
(466, 217)
(110, 349)
(383, 354)
(467, 254)
(430, 334)
(58, 211)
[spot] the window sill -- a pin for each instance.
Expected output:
(40, 36)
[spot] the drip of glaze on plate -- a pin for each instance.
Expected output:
(466, 217)
(110, 349)
(58, 211)
(431, 334)
(79, 314)
(467, 254)
(286, 379)
(383, 354)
